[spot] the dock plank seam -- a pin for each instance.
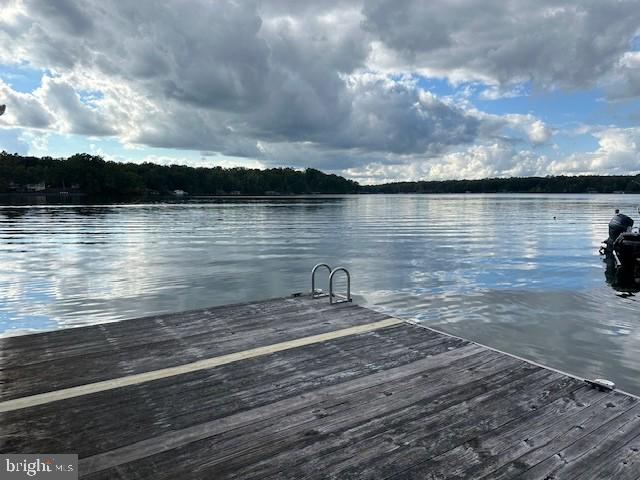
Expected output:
(280, 408)
(56, 395)
(602, 440)
(368, 441)
(387, 416)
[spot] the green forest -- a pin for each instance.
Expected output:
(555, 184)
(92, 175)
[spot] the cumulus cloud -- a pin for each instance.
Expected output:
(56, 105)
(550, 43)
(71, 114)
(478, 161)
(535, 129)
(397, 117)
(332, 84)
(624, 81)
(227, 78)
(26, 110)
(618, 152)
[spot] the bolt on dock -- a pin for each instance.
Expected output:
(300, 388)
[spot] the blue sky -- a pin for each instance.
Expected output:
(376, 91)
(21, 77)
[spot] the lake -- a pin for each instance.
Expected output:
(520, 273)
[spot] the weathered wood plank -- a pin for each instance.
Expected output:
(377, 396)
(340, 442)
(206, 363)
(101, 339)
(65, 336)
(346, 396)
(401, 402)
(42, 377)
(192, 398)
(589, 437)
(393, 445)
(620, 464)
(23, 350)
(481, 456)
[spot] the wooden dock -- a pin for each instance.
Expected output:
(297, 388)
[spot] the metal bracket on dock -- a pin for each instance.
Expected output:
(601, 384)
(340, 298)
(318, 293)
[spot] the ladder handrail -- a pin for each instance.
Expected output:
(331, 295)
(313, 280)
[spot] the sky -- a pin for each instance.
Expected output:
(375, 90)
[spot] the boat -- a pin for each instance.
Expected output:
(622, 253)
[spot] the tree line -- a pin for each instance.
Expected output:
(92, 175)
(550, 184)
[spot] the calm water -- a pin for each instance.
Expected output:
(497, 269)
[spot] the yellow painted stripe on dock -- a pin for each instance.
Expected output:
(42, 398)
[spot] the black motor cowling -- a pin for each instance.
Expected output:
(620, 223)
(622, 254)
(627, 249)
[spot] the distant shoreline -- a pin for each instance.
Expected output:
(92, 176)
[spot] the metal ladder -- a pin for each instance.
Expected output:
(333, 297)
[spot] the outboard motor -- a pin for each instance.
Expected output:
(620, 223)
(622, 254)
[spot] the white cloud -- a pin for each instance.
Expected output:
(325, 84)
(618, 152)
(535, 129)
(25, 110)
(55, 105)
(551, 43)
(624, 81)
(478, 161)
(496, 92)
